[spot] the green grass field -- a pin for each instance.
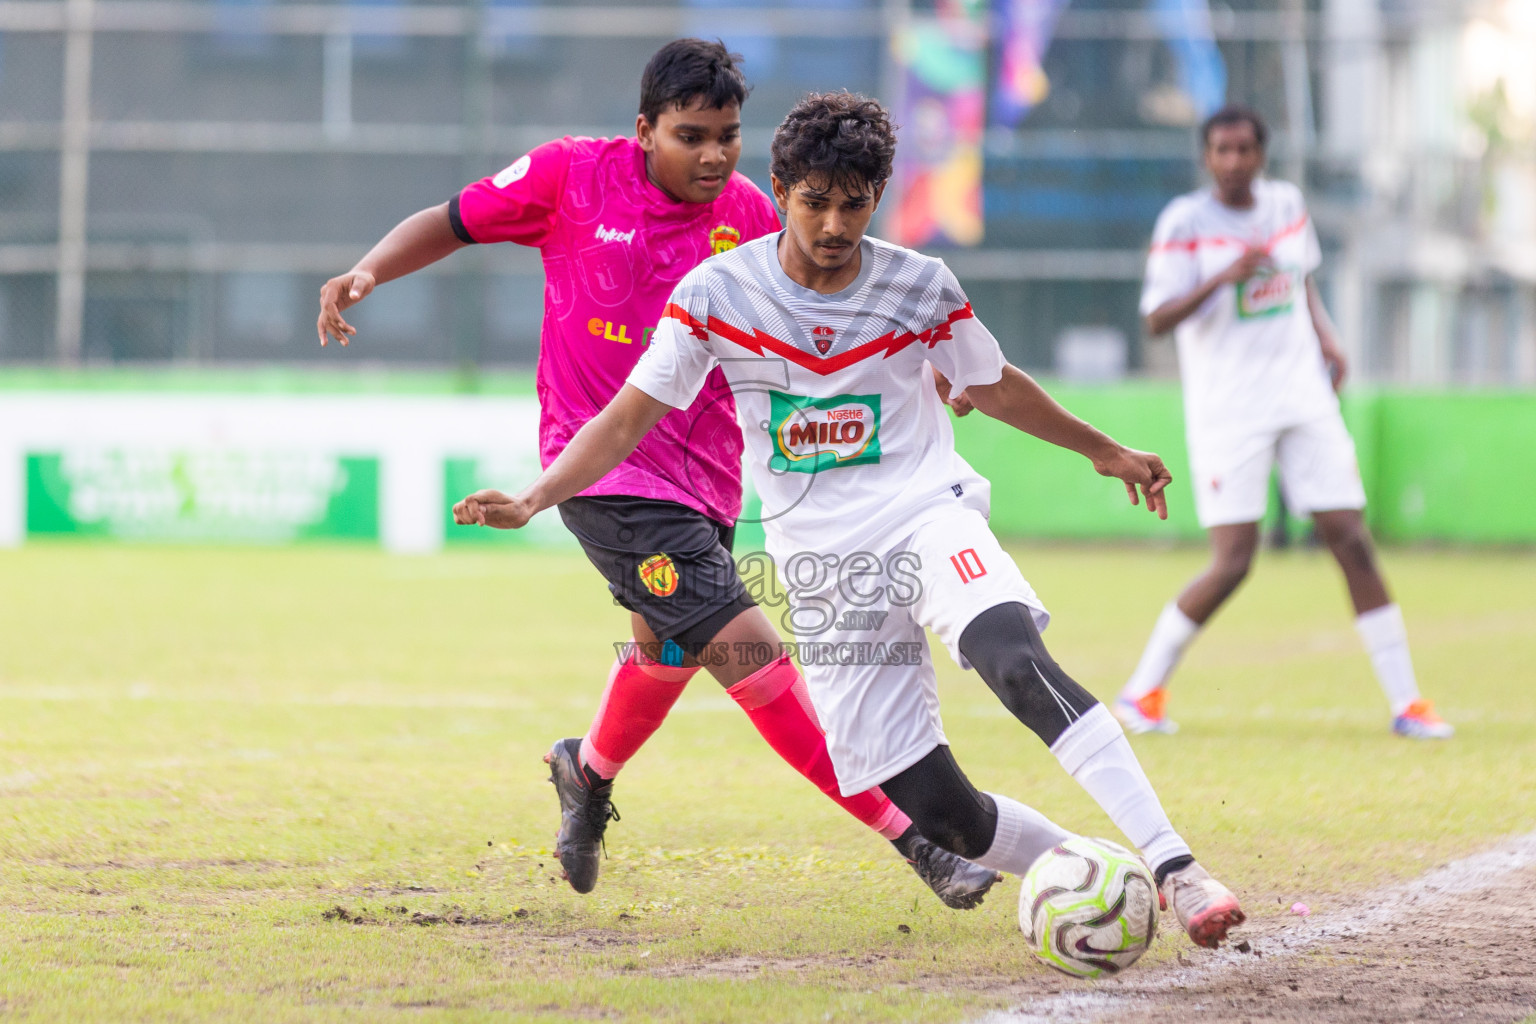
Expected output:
(204, 754)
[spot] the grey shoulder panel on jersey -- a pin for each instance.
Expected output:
(907, 286)
(743, 288)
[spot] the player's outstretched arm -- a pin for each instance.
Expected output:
(602, 444)
(421, 239)
(1022, 403)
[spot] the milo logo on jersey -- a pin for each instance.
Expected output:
(813, 434)
(1266, 293)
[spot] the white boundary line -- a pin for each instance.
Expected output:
(1469, 874)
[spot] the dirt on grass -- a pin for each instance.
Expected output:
(1451, 945)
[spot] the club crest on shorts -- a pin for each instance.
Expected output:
(659, 575)
(723, 238)
(823, 337)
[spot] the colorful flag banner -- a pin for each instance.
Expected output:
(1186, 25)
(941, 109)
(1024, 29)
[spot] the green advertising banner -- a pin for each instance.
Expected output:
(464, 475)
(1458, 467)
(1453, 466)
(213, 496)
(1438, 466)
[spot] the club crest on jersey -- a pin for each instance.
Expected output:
(813, 434)
(1267, 293)
(659, 575)
(823, 336)
(723, 238)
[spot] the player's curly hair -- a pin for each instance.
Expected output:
(835, 139)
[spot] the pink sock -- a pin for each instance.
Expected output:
(635, 702)
(775, 699)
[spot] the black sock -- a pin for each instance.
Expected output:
(1167, 868)
(593, 780)
(904, 842)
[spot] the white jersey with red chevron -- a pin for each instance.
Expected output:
(846, 438)
(1249, 357)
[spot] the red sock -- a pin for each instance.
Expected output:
(635, 702)
(776, 701)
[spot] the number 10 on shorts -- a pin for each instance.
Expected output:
(968, 565)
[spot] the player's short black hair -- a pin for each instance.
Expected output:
(841, 138)
(1231, 114)
(686, 70)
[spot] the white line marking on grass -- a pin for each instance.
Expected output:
(1372, 911)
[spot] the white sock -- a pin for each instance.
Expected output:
(1386, 641)
(1173, 632)
(1095, 752)
(1023, 834)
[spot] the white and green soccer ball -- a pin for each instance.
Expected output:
(1088, 908)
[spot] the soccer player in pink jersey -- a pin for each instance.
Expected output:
(619, 222)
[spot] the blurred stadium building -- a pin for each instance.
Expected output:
(177, 177)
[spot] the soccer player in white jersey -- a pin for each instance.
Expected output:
(828, 341)
(1230, 272)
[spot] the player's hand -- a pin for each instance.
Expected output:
(336, 295)
(1139, 469)
(960, 403)
(1245, 266)
(1338, 366)
(494, 509)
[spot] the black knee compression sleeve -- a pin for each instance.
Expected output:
(943, 804)
(1005, 648)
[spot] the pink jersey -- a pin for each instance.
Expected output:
(614, 247)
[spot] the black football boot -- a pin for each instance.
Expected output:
(585, 810)
(957, 882)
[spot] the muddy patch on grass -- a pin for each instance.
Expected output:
(747, 967)
(1448, 946)
(403, 915)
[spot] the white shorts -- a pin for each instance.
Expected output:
(861, 640)
(1318, 472)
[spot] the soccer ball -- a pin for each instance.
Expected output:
(1088, 908)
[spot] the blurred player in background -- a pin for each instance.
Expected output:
(1231, 272)
(619, 222)
(829, 339)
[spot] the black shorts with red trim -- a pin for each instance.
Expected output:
(663, 560)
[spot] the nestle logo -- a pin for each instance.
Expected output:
(615, 235)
